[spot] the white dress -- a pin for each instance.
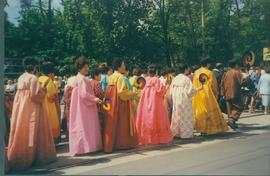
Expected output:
(182, 90)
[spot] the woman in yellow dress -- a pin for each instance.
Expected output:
(135, 88)
(51, 101)
(208, 116)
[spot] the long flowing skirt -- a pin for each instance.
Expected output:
(117, 130)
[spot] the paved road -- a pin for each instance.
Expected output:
(242, 152)
(248, 155)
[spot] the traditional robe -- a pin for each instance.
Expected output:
(182, 91)
(30, 135)
(84, 127)
(52, 103)
(231, 84)
(137, 90)
(120, 131)
(100, 94)
(67, 98)
(208, 116)
(152, 120)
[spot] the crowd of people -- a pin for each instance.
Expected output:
(167, 104)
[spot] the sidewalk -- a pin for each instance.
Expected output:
(248, 124)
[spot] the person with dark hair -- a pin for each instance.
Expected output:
(144, 73)
(31, 138)
(219, 71)
(84, 125)
(254, 76)
(52, 99)
(164, 76)
(206, 62)
(152, 116)
(193, 69)
(104, 76)
(119, 130)
(96, 77)
(182, 91)
(232, 82)
(264, 89)
(208, 116)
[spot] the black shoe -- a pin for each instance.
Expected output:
(236, 125)
(232, 125)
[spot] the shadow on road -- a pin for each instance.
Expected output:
(64, 162)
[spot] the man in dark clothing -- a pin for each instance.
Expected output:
(232, 82)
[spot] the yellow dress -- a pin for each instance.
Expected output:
(208, 116)
(135, 89)
(51, 104)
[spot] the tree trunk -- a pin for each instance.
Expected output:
(164, 23)
(203, 26)
(191, 23)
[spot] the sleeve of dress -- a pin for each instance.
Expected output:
(88, 97)
(36, 92)
(213, 83)
(122, 90)
(67, 95)
(160, 88)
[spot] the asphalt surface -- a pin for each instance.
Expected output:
(245, 151)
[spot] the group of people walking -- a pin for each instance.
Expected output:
(172, 105)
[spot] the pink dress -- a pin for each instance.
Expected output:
(152, 121)
(30, 136)
(84, 127)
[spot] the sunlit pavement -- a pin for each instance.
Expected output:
(245, 151)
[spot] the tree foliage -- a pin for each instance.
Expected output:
(141, 31)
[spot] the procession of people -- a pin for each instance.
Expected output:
(107, 109)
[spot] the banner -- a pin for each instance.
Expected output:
(266, 54)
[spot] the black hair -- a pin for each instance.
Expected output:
(219, 65)
(152, 69)
(104, 68)
(171, 70)
(137, 71)
(205, 62)
(194, 68)
(81, 62)
(182, 67)
(47, 68)
(29, 64)
(117, 62)
(164, 72)
(233, 63)
(95, 72)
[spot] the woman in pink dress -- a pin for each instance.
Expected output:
(84, 127)
(31, 137)
(152, 121)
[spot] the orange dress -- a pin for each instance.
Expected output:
(120, 130)
(30, 135)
